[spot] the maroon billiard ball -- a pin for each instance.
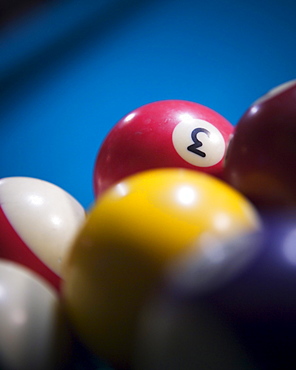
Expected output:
(169, 133)
(261, 157)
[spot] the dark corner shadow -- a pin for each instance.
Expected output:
(95, 27)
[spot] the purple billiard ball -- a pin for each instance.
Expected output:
(254, 293)
(174, 334)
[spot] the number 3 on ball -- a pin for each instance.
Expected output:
(199, 142)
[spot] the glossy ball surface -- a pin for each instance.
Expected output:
(175, 334)
(38, 222)
(259, 301)
(169, 133)
(33, 334)
(135, 233)
(261, 157)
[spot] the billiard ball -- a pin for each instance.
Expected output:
(175, 334)
(136, 229)
(169, 133)
(38, 221)
(261, 157)
(258, 302)
(34, 332)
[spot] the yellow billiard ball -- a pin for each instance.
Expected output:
(132, 234)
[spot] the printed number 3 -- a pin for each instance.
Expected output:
(197, 143)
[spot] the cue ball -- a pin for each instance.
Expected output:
(169, 133)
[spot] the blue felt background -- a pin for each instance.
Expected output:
(70, 69)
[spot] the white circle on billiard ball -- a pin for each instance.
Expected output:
(275, 91)
(199, 142)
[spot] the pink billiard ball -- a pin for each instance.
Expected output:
(169, 133)
(38, 221)
(261, 157)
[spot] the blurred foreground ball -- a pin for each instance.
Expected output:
(136, 230)
(175, 334)
(259, 301)
(33, 334)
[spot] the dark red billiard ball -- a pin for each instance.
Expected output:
(261, 158)
(169, 133)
